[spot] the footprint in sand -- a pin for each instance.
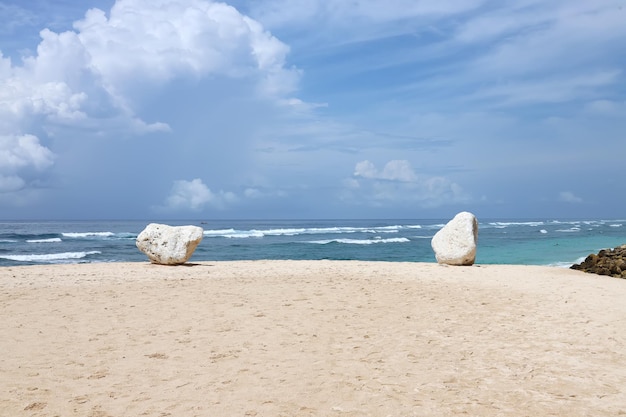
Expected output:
(35, 406)
(98, 374)
(157, 356)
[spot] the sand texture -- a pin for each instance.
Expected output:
(310, 338)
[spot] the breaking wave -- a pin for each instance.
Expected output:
(258, 233)
(49, 257)
(84, 235)
(360, 241)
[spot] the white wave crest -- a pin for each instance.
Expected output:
(570, 230)
(361, 241)
(561, 264)
(51, 240)
(233, 233)
(83, 235)
(49, 257)
(501, 225)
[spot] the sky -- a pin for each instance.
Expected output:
(300, 109)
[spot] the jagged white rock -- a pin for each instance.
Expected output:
(455, 243)
(169, 245)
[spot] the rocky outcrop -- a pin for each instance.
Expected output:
(610, 262)
(455, 243)
(169, 245)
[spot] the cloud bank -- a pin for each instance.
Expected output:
(407, 108)
(194, 195)
(92, 78)
(21, 159)
(398, 183)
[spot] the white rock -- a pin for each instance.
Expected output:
(455, 243)
(169, 245)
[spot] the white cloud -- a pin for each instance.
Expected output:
(195, 195)
(17, 152)
(544, 52)
(18, 17)
(164, 39)
(365, 169)
(21, 99)
(92, 80)
(397, 170)
(98, 68)
(351, 183)
(549, 90)
(257, 193)
(10, 183)
(514, 53)
(606, 108)
(340, 12)
(489, 26)
(397, 183)
(298, 106)
(33, 91)
(21, 158)
(569, 197)
(541, 36)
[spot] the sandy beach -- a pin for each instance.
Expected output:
(310, 338)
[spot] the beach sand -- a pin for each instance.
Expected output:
(310, 338)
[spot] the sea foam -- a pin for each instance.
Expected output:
(49, 257)
(87, 234)
(361, 241)
(501, 225)
(257, 233)
(570, 230)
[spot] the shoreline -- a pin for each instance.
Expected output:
(515, 241)
(307, 338)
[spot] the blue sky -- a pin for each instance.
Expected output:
(312, 109)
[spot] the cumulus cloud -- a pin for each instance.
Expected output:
(141, 42)
(569, 197)
(195, 195)
(398, 183)
(17, 152)
(10, 183)
(396, 170)
(91, 78)
(164, 39)
(21, 157)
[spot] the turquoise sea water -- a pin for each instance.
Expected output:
(557, 242)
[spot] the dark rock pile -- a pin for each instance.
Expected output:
(607, 262)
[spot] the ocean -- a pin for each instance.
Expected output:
(554, 242)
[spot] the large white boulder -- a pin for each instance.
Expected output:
(455, 243)
(169, 245)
